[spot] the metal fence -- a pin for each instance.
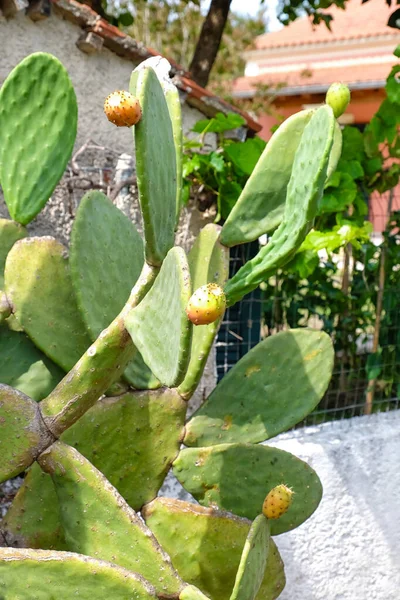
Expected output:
(245, 324)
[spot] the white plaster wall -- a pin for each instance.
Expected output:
(350, 548)
(93, 76)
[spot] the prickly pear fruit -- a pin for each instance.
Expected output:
(338, 98)
(122, 109)
(277, 502)
(206, 305)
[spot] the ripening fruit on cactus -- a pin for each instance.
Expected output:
(338, 98)
(206, 305)
(277, 502)
(122, 109)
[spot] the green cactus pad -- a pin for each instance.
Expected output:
(38, 120)
(48, 575)
(273, 387)
(10, 233)
(99, 367)
(144, 431)
(155, 167)
(336, 150)
(253, 561)
(205, 546)
(22, 433)
(106, 259)
(237, 477)
(98, 522)
(138, 374)
(304, 192)
(24, 367)
(33, 519)
(38, 284)
(192, 593)
(261, 204)
(208, 263)
(175, 112)
(159, 326)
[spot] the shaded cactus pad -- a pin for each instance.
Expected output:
(205, 546)
(273, 387)
(45, 575)
(38, 121)
(253, 561)
(38, 284)
(159, 326)
(22, 432)
(99, 523)
(237, 477)
(24, 367)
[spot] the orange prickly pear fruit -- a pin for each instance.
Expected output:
(338, 98)
(122, 109)
(277, 502)
(206, 305)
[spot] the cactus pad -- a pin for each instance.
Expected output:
(38, 120)
(261, 204)
(304, 192)
(209, 263)
(45, 574)
(159, 326)
(24, 367)
(273, 387)
(22, 433)
(237, 477)
(253, 561)
(192, 593)
(98, 522)
(205, 546)
(106, 259)
(38, 284)
(10, 233)
(33, 519)
(144, 430)
(155, 167)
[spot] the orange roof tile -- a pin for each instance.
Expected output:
(356, 21)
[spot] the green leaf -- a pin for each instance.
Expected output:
(340, 197)
(352, 168)
(353, 145)
(304, 263)
(245, 155)
(219, 123)
(393, 85)
(217, 162)
(125, 19)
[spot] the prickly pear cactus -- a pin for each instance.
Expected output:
(99, 356)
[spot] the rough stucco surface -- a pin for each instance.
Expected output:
(350, 548)
(93, 76)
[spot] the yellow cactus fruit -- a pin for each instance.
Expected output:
(277, 502)
(122, 109)
(206, 305)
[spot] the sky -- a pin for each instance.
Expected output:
(251, 6)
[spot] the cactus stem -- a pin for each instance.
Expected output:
(101, 365)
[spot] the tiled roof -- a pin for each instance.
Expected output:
(123, 45)
(356, 21)
(317, 80)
